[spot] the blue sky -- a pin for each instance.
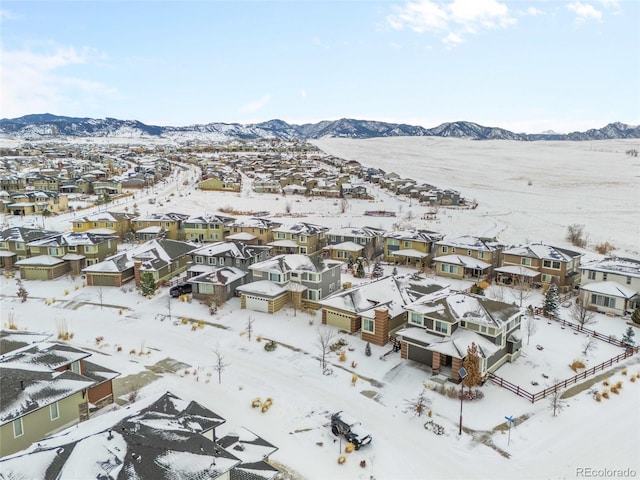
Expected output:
(528, 66)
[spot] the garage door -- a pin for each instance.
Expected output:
(339, 320)
(102, 280)
(257, 304)
(421, 355)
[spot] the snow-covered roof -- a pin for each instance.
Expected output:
(283, 244)
(542, 251)
(47, 260)
(241, 236)
(409, 252)
(463, 260)
(262, 287)
(518, 270)
(610, 289)
(622, 266)
(346, 246)
(470, 243)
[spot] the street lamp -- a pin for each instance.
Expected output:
(463, 373)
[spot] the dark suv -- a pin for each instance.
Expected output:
(181, 289)
(350, 429)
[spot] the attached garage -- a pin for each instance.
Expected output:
(97, 280)
(338, 319)
(419, 354)
(257, 304)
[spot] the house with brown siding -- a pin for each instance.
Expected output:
(442, 326)
(376, 308)
(303, 238)
(410, 247)
(554, 264)
(261, 229)
(467, 257)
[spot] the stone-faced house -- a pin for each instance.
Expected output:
(443, 325)
(467, 257)
(377, 308)
(611, 285)
(45, 387)
(554, 264)
(410, 247)
(283, 278)
(164, 439)
(303, 238)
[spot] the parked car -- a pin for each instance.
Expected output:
(180, 289)
(350, 429)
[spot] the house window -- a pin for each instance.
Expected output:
(628, 280)
(591, 275)
(415, 319)
(525, 261)
(442, 327)
(303, 239)
(407, 244)
(54, 412)
(468, 253)
(212, 260)
(368, 325)
(274, 277)
(303, 250)
(481, 255)
(453, 249)
(75, 367)
(198, 259)
(280, 235)
(313, 294)
(604, 277)
(445, 249)
(603, 301)
(18, 429)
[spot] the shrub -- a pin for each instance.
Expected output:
(132, 351)
(576, 364)
(99, 340)
(605, 394)
(598, 397)
(270, 346)
(614, 389)
(605, 383)
(632, 378)
(576, 235)
(604, 248)
(343, 356)
(349, 448)
(624, 371)
(341, 459)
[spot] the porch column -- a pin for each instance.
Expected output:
(436, 362)
(456, 364)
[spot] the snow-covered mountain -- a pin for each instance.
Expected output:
(48, 125)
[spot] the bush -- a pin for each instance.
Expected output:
(577, 364)
(604, 248)
(270, 346)
(576, 235)
(343, 356)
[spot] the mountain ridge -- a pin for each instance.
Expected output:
(49, 125)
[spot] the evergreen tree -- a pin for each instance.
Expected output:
(147, 284)
(627, 338)
(367, 350)
(378, 271)
(551, 302)
(471, 364)
(635, 316)
(360, 269)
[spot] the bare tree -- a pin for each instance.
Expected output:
(590, 344)
(530, 327)
(324, 338)
(420, 405)
(249, 327)
(497, 293)
(580, 312)
(343, 206)
(556, 403)
(369, 253)
(220, 364)
(523, 289)
(101, 297)
(169, 307)
(576, 235)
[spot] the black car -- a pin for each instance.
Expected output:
(350, 429)
(181, 289)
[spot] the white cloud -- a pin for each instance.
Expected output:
(534, 12)
(303, 92)
(610, 4)
(8, 15)
(585, 11)
(32, 82)
(453, 19)
(257, 105)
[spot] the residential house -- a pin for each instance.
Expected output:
(36, 202)
(80, 249)
(410, 247)
(206, 228)
(166, 439)
(283, 278)
(223, 181)
(370, 238)
(611, 285)
(13, 244)
(467, 257)
(105, 223)
(163, 258)
(45, 387)
(442, 326)
(218, 268)
(257, 231)
(159, 225)
(376, 308)
(303, 238)
(554, 264)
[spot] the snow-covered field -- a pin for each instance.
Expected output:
(587, 434)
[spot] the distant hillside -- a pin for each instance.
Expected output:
(48, 125)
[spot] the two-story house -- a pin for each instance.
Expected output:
(256, 231)
(303, 238)
(443, 325)
(410, 247)
(350, 243)
(218, 268)
(611, 285)
(206, 228)
(45, 387)
(13, 244)
(467, 257)
(553, 264)
(104, 223)
(159, 225)
(283, 278)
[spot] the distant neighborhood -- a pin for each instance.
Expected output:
(267, 261)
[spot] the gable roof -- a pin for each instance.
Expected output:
(618, 265)
(544, 252)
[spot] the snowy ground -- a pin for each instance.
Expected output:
(587, 434)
